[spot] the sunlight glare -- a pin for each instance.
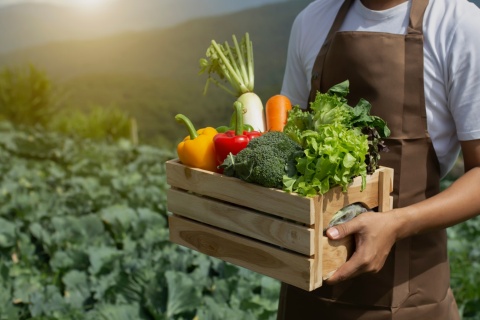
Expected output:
(90, 4)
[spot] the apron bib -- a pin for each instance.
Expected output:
(387, 70)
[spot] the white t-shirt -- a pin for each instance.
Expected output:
(451, 62)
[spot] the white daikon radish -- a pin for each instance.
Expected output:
(234, 65)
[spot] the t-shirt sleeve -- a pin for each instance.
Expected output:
(295, 82)
(464, 75)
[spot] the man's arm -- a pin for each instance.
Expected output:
(376, 233)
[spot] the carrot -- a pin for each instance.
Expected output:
(276, 112)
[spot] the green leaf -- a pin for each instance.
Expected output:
(62, 260)
(25, 284)
(7, 233)
(349, 161)
(121, 312)
(102, 258)
(46, 301)
(183, 293)
(119, 219)
(77, 289)
(103, 285)
(213, 310)
(148, 223)
(341, 89)
(91, 226)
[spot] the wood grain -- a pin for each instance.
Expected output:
(233, 190)
(270, 261)
(335, 253)
(242, 220)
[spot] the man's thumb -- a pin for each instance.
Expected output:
(339, 231)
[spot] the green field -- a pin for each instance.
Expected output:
(84, 235)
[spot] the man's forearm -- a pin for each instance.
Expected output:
(458, 203)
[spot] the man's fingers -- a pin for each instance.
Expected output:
(362, 261)
(348, 270)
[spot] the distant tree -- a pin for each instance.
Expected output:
(26, 96)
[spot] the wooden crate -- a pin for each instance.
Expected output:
(268, 231)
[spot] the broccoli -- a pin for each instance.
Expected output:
(265, 160)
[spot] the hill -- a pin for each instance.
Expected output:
(154, 74)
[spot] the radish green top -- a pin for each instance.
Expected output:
(231, 64)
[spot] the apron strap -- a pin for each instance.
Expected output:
(415, 25)
(415, 35)
(317, 67)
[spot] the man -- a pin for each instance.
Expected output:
(418, 63)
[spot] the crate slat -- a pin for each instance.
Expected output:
(335, 253)
(236, 191)
(243, 221)
(241, 251)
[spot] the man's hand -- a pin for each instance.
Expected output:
(375, 234)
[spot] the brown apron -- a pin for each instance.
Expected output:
(387, 70)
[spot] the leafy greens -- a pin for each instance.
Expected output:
(339, 142)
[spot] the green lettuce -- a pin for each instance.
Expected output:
(333, 155)
(339, 142)
(332, 107)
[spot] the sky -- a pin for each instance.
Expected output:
(79, 3)
(61, 2)
(95, 5)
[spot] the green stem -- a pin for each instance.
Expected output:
(239, 118)
(191, 129)
(234, 63)
(226, 73)
(215, 81)
(240, 55)
(229, 67)
(249, 46)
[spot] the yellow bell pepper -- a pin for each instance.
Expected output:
(197, 149)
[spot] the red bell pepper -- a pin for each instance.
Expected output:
(232, 141)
